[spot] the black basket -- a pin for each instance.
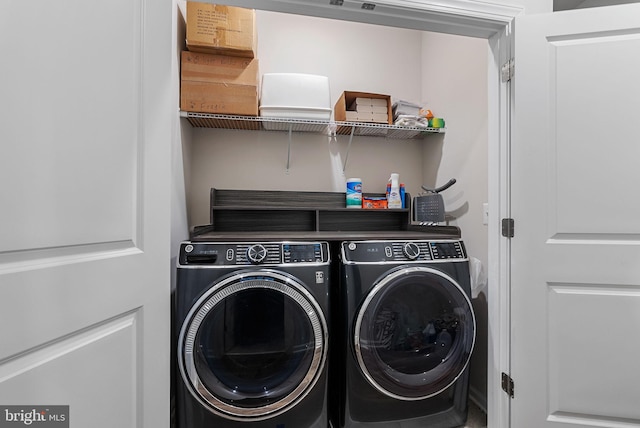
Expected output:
(429, 208)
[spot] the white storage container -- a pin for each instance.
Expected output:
(295, 96)
(401, 107)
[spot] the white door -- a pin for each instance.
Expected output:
(85, 128)
(576, 252)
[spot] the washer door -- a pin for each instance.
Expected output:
(253, 345)
(414, 333)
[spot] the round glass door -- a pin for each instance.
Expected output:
(253, 346)
(414, 333)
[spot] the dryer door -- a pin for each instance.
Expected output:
(253, 346)
(414, 333)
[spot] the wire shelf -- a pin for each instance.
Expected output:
(255, 123)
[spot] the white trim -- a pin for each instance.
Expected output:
(498, 13)
(461, 17)
(500, 108)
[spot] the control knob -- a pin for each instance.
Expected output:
(256, 253)
(411, 250)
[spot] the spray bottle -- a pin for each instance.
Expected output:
(394, 200)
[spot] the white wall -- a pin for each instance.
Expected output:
(360, 57)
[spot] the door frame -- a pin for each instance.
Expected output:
(492, 22)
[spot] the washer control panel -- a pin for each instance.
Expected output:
(403, 251)
(253, 253)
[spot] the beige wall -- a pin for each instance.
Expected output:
(457, 89)
(355, 57)
(446, 73)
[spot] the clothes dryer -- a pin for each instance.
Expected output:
(408, 333)
(251, 322)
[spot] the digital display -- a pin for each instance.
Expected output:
(301, 253)
(448, 250)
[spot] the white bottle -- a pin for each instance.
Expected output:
(394, 200)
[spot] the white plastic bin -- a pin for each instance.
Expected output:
(295, 96)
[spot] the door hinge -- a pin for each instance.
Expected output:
(507, 384)
(507, 70)
(508, 227)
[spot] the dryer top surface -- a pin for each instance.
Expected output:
(206, 234)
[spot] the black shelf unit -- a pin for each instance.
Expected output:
(292, 211)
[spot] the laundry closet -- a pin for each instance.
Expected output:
(96, 162)
(445, 73)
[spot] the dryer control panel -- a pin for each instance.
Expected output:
(253, 253)
(402, 251)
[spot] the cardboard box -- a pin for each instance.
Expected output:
(374, 202)
(222, 30)
(348, 98)
(219, 84)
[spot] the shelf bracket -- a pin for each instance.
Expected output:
(346, 156)
(289, 149)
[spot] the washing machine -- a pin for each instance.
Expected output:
(408, 333)
(251, 334)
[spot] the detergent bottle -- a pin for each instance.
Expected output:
(394, 200)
